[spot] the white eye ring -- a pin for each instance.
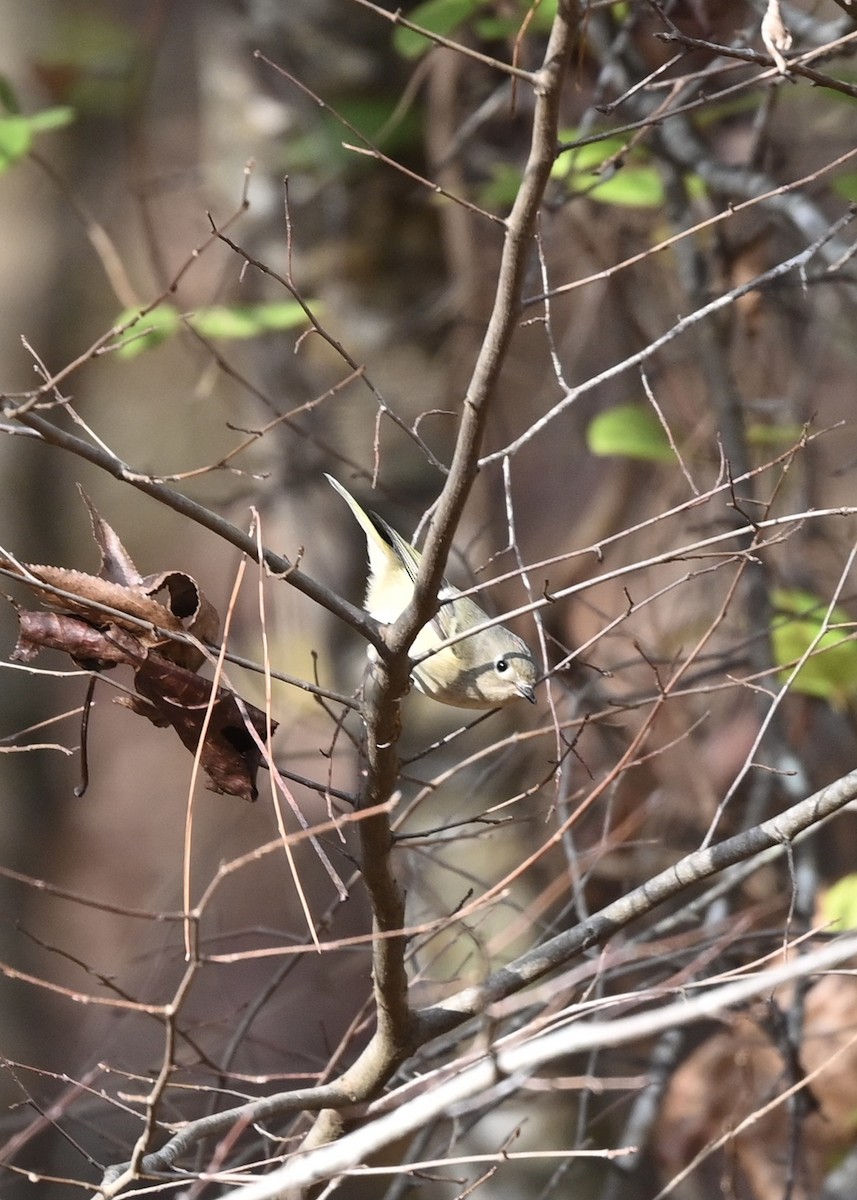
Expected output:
(501, 666)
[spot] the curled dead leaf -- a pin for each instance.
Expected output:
(120, 617)
(91, 648)
(171, 695)
(726, 1092)
(121, 588)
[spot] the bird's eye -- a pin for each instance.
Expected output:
(501, 665)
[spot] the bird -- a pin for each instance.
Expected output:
(490, 669)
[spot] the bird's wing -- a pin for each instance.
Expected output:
(393, 563)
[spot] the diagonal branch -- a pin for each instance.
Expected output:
(518, 245)
(523, 1059)
(452, 1013)
(780, 831)
(53, 435)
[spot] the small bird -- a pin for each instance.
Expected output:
(490, 669)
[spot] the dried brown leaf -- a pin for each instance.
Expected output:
(170, 691)
(116, 563)
(733, 1076)
(190, 606)
(87, 590)
(93, 649)
(120, 587)
(171, 695)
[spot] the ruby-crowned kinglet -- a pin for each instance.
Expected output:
(489, 669)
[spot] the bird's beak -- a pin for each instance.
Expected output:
(527, 692)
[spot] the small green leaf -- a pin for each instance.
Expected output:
(51, 118)
(16, 132)
(498, 193)
(831, 671)
(15, 140)
(628, 183)
(774, 435)
(146, 332)
(579, 160)
(223, 322)
(845, 185)
(246, 321)
(494, 26)
(839, 904)
(437, 16)
(630, 187)
(629, 431)
(220, 321)
(696, 186)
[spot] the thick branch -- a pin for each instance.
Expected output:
(702, 864)
(381, 1057)
(522, 1058)
(518, 245)
(394, 1037)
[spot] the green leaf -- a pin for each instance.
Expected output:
(220, 321)
(498, 193)
(631, 187)
(845, 185)
(51, 118)
(629, 182)
(831, 672)
(774, 435)
(437, 16)
(629, 431)
(495, 27)
(149, 331)
(15, 140)
(226, 323)
(249, 320)
(580, 159)
(16, 132)
(839, 904)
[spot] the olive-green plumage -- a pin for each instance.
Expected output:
(489, 669)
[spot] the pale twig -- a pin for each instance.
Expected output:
(518, 1061)
(396, 18)
(793, 263)
(760, 197)
(190, 925)
(784, 690)
(659, 413)
(277, 777)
